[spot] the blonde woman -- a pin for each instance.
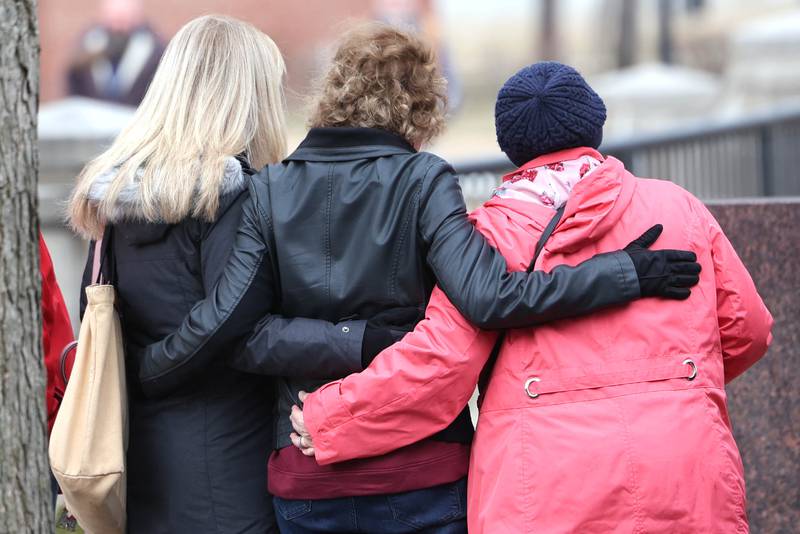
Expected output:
(167, 198)
(348, 235)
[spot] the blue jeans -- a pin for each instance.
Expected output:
(438, 510)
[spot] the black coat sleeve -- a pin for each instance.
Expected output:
(476, 279)
(216, 239)
(244, 295)
(282, 346)
(304, 348)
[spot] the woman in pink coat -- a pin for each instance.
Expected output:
(615, 422)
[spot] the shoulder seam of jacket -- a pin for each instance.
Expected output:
(421, 198)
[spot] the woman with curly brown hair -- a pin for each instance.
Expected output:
(345, 239)
(387, 79)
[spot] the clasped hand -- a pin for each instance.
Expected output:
(300, 437)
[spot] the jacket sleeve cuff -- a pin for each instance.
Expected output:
(628, 279)
(352, 339)
(323, 411)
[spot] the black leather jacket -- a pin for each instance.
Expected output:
(356, 221)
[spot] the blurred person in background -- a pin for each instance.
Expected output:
(117, 58)
(57, 334)
(58, 344)
(347, 238)
(613, 422)
(166, 198)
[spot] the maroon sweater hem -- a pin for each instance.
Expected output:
(429, 463)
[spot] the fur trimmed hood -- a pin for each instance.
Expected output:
(128, 206)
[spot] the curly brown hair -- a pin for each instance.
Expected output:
(383, 77)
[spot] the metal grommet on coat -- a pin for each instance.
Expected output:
(528, 383)
(346, 329)
(693, 374)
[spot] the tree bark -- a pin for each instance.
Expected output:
(25, 502)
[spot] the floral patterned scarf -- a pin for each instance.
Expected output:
(548, 185)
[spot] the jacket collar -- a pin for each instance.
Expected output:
(555, 157)
(595, 205)
(128, 202)
(344, 144)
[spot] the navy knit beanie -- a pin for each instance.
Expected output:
(547, 107)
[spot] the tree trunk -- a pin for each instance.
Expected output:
(25, 502)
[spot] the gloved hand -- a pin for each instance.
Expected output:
(386, 328)
(663, 273)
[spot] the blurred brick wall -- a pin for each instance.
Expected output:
(300, 28)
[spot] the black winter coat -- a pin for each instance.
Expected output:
(197, 458)
(356, 221)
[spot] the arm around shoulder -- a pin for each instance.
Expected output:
(475, 276)
(242, 296)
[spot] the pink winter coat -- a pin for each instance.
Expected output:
(614, 422)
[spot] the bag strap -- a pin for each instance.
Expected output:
(102, 257)
(486, 372)
(97, 276)
(548, 231)
(72, 345)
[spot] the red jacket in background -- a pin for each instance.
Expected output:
(56, 332)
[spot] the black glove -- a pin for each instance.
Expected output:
(663, 273)
(385, 329)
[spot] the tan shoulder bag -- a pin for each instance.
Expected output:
(90, 434)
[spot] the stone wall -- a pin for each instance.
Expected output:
(765, 401)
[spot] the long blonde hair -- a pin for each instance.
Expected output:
(217, 93)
